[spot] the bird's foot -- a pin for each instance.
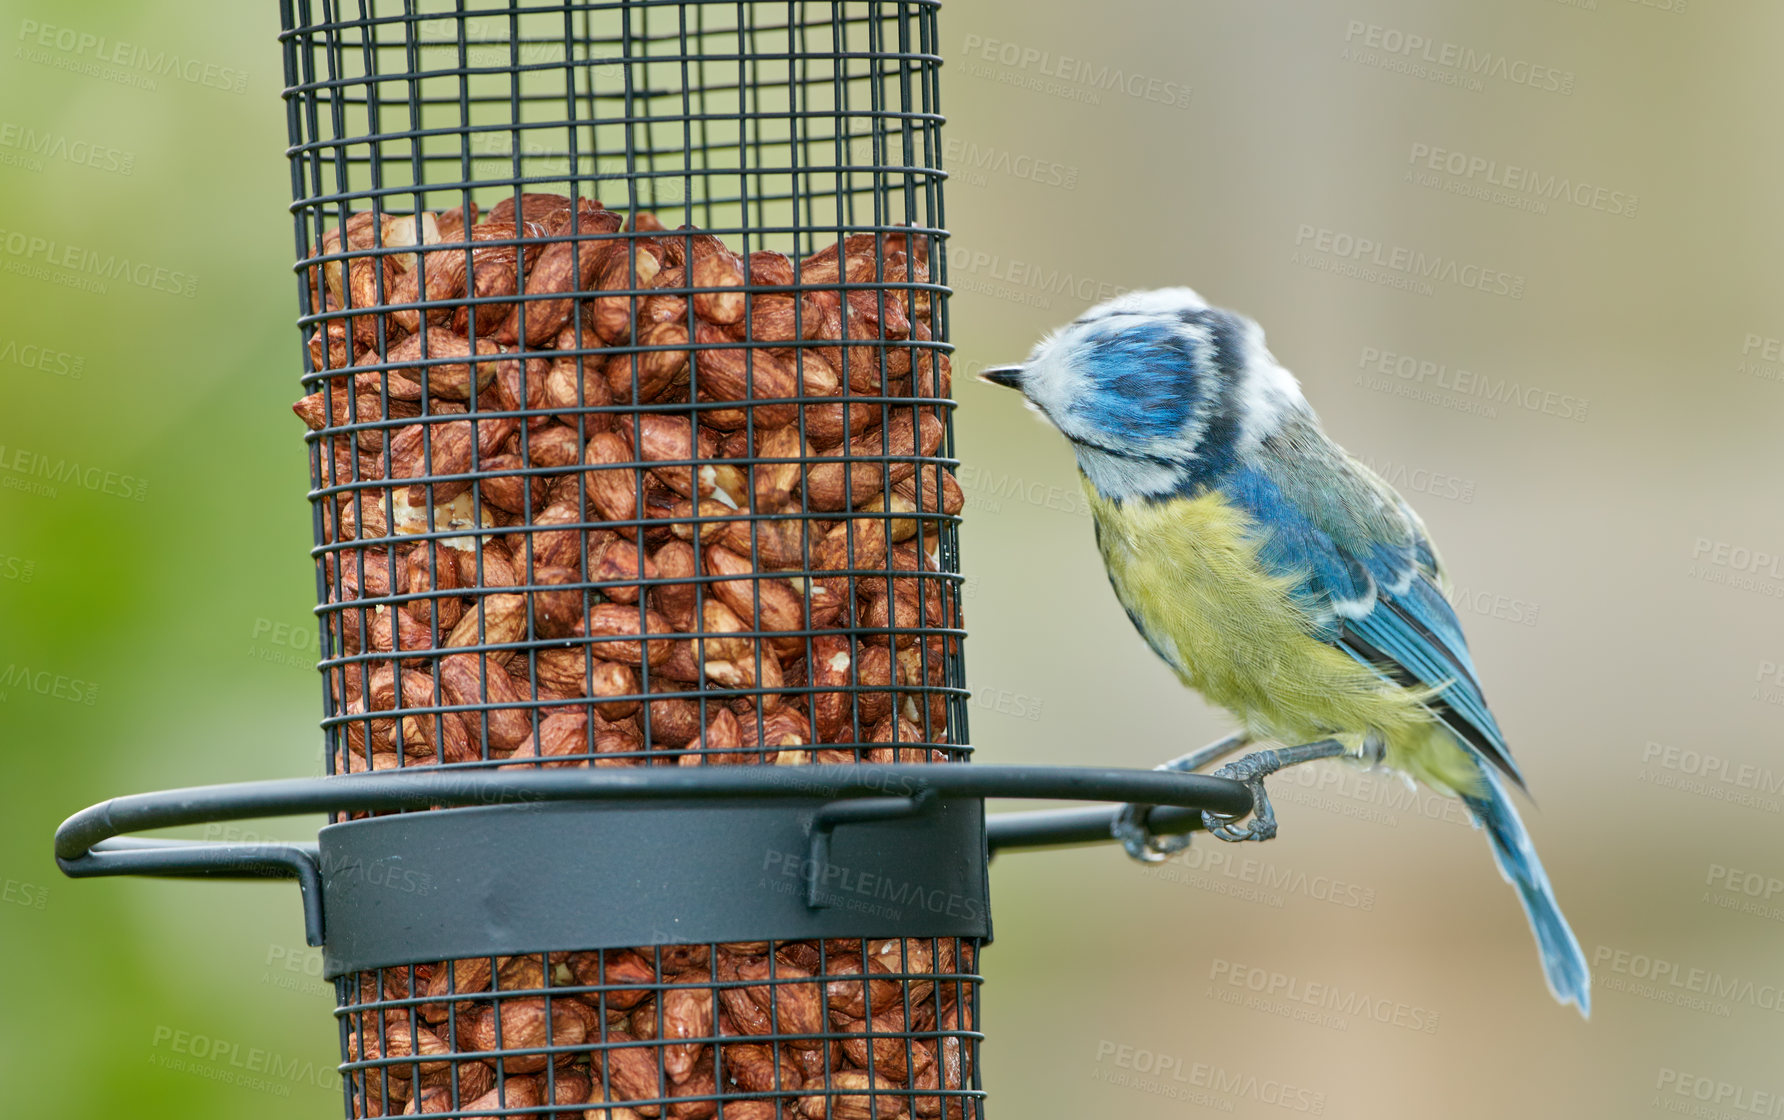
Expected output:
(1129, 823)
(1252, 770)
(1262, 826)
(1129, 827)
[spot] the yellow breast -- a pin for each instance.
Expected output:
(1187, 571)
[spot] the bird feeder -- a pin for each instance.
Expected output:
(624, 339)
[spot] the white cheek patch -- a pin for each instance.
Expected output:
(1052, 381)
(1120, 478)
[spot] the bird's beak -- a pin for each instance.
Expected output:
(1010, 377)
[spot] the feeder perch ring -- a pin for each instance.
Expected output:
(382, 890)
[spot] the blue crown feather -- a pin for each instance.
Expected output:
(1137, 380)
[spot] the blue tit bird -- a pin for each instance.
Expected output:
(1277, 575)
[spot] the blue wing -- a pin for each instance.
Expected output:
(1367, 574)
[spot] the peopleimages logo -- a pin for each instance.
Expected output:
(1479, 171)
(1422, 480)
(1253, 879)
(1075, 79)
(31, 355)
(1762, 356)
(1312, 1001)
(981, 483)
(1407, 268)
(1149, 1071)
(42, 682)
(1741, 559)
(1506, 608)
(1465, 390)
(1708, 1092)
(1711, 776)
(1377, 798)
(976, 162)
(136, 64)
(17, 568)
(1022, 281)
(24, 146)
(1738, 566)
(896, 896)
(30, 470)
(252, 1067)
(1390, 48)
(30, 252)
(1667, 981)
(16, 892)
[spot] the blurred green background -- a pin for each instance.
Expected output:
(1602, 176)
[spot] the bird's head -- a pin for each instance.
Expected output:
(1156, 391)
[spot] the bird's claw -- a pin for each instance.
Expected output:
(1140, 842)
(1262, 826)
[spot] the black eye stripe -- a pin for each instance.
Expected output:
(1122, 452)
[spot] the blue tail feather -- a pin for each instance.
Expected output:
(1563, 964)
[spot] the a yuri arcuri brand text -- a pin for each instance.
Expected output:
(73, 48)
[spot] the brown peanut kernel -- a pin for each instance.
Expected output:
(655, 552)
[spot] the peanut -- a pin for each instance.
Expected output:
(635, 557)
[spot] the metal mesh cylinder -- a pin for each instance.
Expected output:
(626, 368)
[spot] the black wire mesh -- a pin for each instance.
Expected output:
(753, 1030)
(592, 491)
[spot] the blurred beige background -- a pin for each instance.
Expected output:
(1525, 261)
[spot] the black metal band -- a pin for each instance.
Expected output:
(449, 885)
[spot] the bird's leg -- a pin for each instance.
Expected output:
(1252, 769)
(1213, 752)
(1129, 825)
